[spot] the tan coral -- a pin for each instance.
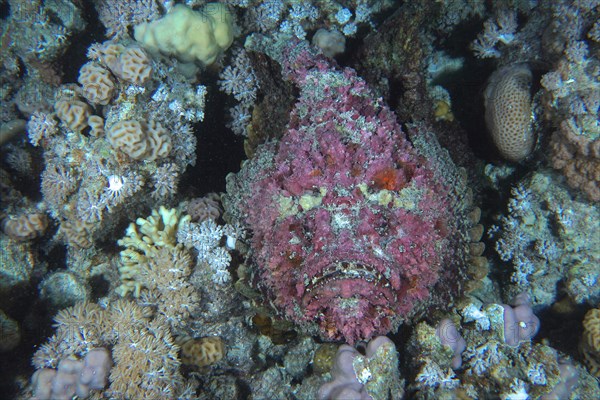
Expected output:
(140, 140)
(25, 226)
(508, 111)
(159, 141)
(590, 342)
(97, 83)
(96, 124)
(73, 112)
(205, 208)
(202, 352)
(106, 53)
(143, 241)
(133, 65)
(578, 158)
(146, 363)
(145, 356)
(77, 233)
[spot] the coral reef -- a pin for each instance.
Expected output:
(373, 375)
(571, 100)
(354, 215)
(11, 333)
(119, 16)
(549, 236)
(144, 353)
(63, 289)
(493, 365)
(126, 154)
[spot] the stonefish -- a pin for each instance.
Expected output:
(356, 226)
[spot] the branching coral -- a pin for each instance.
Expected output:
(153, 260)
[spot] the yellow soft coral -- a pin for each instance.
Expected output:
(143, 241)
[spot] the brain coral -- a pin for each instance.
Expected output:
(353, 227)
(508, 111)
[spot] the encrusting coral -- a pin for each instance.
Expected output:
(547, 236)
(495, 361)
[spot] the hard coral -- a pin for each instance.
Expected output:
(352, 225)
(189, 35)
(97, 84)
(73, 112)
(508, 111)
(140, 140)
(25, 226)
(130, 64)
(203, 351)
(520, 323)
(590, 343)
(73, 377)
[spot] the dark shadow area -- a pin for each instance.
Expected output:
(219, 151)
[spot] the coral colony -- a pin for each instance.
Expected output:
(415, 217)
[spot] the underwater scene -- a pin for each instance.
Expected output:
(300, 200)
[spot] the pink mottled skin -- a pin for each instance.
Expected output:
(351, 264)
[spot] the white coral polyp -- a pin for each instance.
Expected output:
(115, 183)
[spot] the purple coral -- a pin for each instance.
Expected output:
(351, 225)
(520, 323)
(73, 377)
(449, 336)
(354, 373)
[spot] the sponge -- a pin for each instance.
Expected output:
(189, 35)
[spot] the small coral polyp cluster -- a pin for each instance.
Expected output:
(352, 227)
